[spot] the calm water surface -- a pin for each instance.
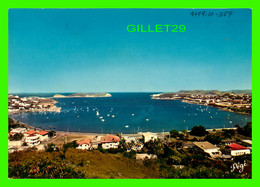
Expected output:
(128, 113)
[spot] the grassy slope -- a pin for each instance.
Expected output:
(93, 164)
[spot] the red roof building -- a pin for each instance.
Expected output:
(235, 146)
(109, 139)
(31, 132)
(237, 150)
(42, 133)
(86, 141)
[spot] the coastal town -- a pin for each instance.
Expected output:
(195, 153)
(233, 102)
(18, 104)
(224, 146)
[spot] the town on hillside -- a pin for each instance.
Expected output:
(229, 149)
(236, 102)
(18, 104)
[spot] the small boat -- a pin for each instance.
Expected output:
(108, 114)
(113, 116)
(133, 114)
(230, 121)
(147, 119)
(97, 113)
(100, 117)
(211, 117)
(102, 120)
(126, 126)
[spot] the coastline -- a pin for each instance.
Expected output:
(102, 134)
(197, 103)
(52, 109)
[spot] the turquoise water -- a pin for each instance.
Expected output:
(128, 113)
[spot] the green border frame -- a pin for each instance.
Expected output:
(127, 4)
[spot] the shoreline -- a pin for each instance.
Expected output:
(74, 133)
(196, 103)
(53, 109)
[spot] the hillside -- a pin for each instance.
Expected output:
(76, 164)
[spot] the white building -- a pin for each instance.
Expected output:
(209, 148)
(149, 136)
(43, 135)
(110, 141)
(18, 130)
(237, 150)
(142, 156)
(84, 144)
(33, 139)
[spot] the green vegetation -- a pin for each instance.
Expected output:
(14, 124)
(246, 130)
(198, 131)
(16, 137)
(75, 163)
(173, 160)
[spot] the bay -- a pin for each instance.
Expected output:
(128, 113)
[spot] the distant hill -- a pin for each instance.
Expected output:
(215, 91)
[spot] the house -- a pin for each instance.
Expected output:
(43, 135)
(18, 130)
(237, 150)
(32, 139)
(247, 143)
(110, 141)
(209, 148)
(149, 136)
(84, 144)
(142, 156)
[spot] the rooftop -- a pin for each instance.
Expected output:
(205, 145)
(235, 146)
(42, 132)
(109, 138)
(31, 132)
(85, 141)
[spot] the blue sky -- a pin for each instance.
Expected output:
(90, 50)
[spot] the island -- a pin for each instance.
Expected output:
(83, 95)
(239, 101)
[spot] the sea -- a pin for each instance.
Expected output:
(127, 113)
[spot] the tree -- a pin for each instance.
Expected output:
(174, 133)
(52, 133)
(228, 133)
(198, 131)
(246, 130)
(213, 139)
(16, 137)
(72, 144)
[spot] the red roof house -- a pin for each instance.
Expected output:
(237, 150)
(31, 132)
(86, 141)
(42, 133)
(109, 139)
(235, 146)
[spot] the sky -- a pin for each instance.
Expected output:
(90, 50)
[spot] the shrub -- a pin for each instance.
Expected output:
(198, 131)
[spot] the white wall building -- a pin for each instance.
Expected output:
(149, 136)
(110, 142)
(84, 144)
(237, 150)
(209, 148)
(33, 139)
